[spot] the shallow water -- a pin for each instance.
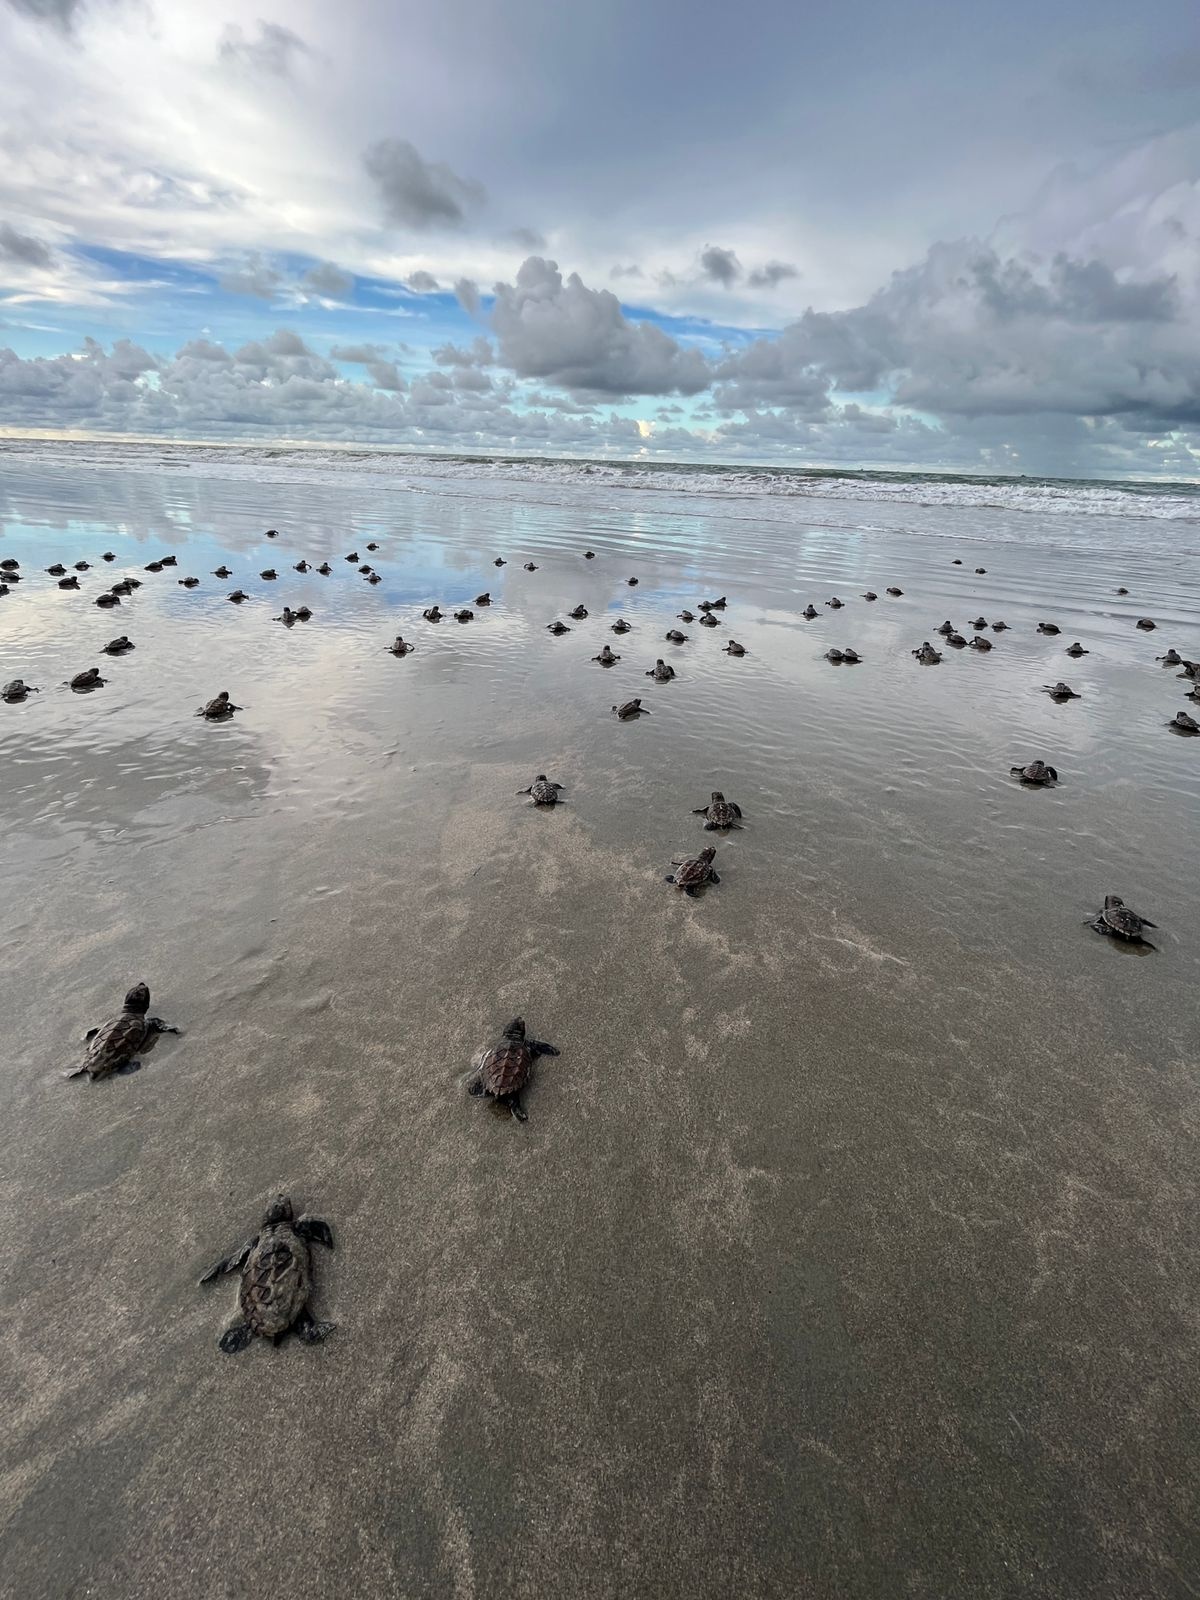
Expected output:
(849, 1246)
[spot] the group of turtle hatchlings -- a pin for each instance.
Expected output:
(275, 1264)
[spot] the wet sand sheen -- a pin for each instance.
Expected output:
(846, 1248)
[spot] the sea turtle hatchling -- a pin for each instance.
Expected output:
(660, 671)
(733, 648)
(894, 592)
(835, 604)
(373, 577)
(373, 545)
(268, 574)
(980, 622)
(531, 566)
(236, 596)
(83, 566)
(400, 646)
(107, 601)
(499, 562)
(1118, 921)
(1061, 691)
(153, 566)
(86, 680)
(709, 621)
(589, 555)
(999, 627)
(1035, 772)
(353, 556)
(693, 872)
(1145, 624)
(957, 640)
(114, 1046)
(170, 561)
(579, 613)
(302, 614)
(980, 643)
(276, 1269)
(675, 636)
(870, 595)
(325, 569)
(222, 572)
(835, 655)
(686, 616)
(504, 1070)
(9, 564)
(301, 566)
(188, 583)
(606, 657)
(432, 614)
(483, 599)
(57, 570)
(288, 618)
(631, 708)
(1048, 627)
(1182, 722)
(621, 626)
(109, 555)
(68, 583)
(947, 627)
(543, 791)
(632, 582)
(927, 655)
(557, 628)
(118, 647)
(465, 615)
(810, 611)
(16, 690)
(719, 813)
(218, 709)
(1171, 659)
(1076, 650)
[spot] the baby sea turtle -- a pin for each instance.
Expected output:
(733, 648)
(579, 613)
(288, 618)
(1193, 693)
(999, 627)
(109, 555)
(980, 571)
(870, 595)
(400, 647)
(301, 566)
(88, 679)
(126, 586)
(980, 622)
(353, 556)
(1048, 627)
(1035, 772)
(154, 566)
(686, 616)
(927, 655)
(980, 643)
(118, 647)
(632, 582)
(557, 627)
(114, 1045)
(218, 709)
(719, 604)
(365, 568)
(621, 626)
(57, 570)
(222, 572)
(465, 615)
(1146, 625)
(68, 583)
(606, 657)
(957, 562)
(1061, 691)
(373, 545)
(1171, 659)
(810, 611)
(1075, 649)
(1183, 723)
(107, 601)
(835, 604)
(1122, 591)
(850, 658)
(499, 562)
(504, 1070)
(531, 566)
(269, 574)
(170, 561)
(237, 596)
(9, 564)
(324, 569)
(432, 614)
(542, 790)
(4, 589)
(16, 690)
(188, 583)
(675, 636)
(894, 591)
(83, 566)
(834, 655)
(661, 672)
(719, 813)
(947, 627)
(691, 872)
(631, 708)
(374, 578)
(483, 599)
(589, 555)
(709, 621)
(1191, 669)
(957, 640)
(276, 1269)
(1120, 922)
(302, 614)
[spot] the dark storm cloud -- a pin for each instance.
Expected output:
(565, 333)
(772, 274)
(417, 193)
(721, 266)
(274, 49)
(23, 247)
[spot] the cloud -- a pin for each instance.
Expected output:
(721, 266)
(274, 50)
(59, 13)
(417, 193)
(528, 238)
(772, 274)
(631, 271)
(326, 279)
(385, 375)
(565, 333)
(466, 292)
(254, 277)
(422, 282)
(478, 354)
(357, 354)
(23, 247)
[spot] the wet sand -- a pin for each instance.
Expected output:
(849, 1248)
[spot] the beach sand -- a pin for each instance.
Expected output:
(849, 1248)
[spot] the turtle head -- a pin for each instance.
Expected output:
(280, 1210)
(541, 777)
(138, 999)
(515, 1029)
(1111, 901)
(717, 795)
(708, 854)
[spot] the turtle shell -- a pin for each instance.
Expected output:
(543, 792)
(1119, 919)
(276, 1280)
(693, 870)
(17, 689)
(506, 1066)
(721, 814)
(114, 1043)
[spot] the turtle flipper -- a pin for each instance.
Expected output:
(689, 889)
(737, 810)
(710, 827)
(157, 1025)
(526, 791)
(91, 1033)
(669, 878)
(713, 878)
(236, 1338)
(75, 1072)
(307, 1328)
(316, 1231)
(230, 1263)
(541, 1048)
(513, 1102)
(699, 811)
(127, 1067)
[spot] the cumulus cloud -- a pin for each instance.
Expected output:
(385, 375)
(772, 274)
(327, 279)
(422, 282)
(478, 353)
(274, 49)
(23, 248)
(466, 292)
(563, 332)
(255, 277)
(357, 354)
(721, 266)
(417, 193)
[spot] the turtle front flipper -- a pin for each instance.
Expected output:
(526, 791)
(157, 1025)
(236, 1338)
(475, 1085)
(91, 1033)
(539, 1047)
(306, 1327)
(699, 811)
(713, 877)
(737, 810)
(75, 1072)
(669, 877)
(315, 1231)
(230, 1263)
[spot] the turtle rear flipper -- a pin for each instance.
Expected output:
(236, 1338)
(310, 1330)
(737, 810)
(315, 1231)
(127, 1067)
(713, 878)
(690, 890)
(513, 1102)
(230, 1263)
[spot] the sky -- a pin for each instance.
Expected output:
(929, 235)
